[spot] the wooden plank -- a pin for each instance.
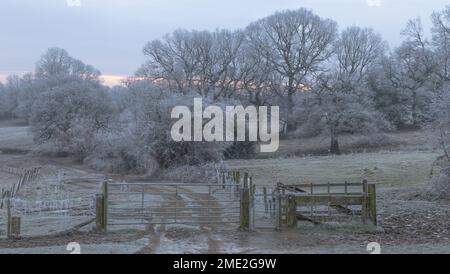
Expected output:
(332, 200)
(324, 185)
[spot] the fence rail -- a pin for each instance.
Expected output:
(25, 177)
(22, 217)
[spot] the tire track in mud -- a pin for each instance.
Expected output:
(159, 235)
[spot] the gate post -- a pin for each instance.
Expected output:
(266, 206)
(101, 205)
(15, 227)
(99, 212)
(291, 212)
(245, 209)
(278, 208)
(252, 203)
(365, 203)
(372, 203)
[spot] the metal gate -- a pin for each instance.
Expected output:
(264, 212)
(151, 203)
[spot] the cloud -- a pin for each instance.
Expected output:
(374, 3)
(73, 3)
(3, 77)
(109, 80)
(112, 80)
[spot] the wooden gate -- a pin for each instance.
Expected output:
(326, 202)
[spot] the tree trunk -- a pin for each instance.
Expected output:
(291, 124)
(334, 148)
(414, 110)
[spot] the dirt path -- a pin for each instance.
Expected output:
(181, 237)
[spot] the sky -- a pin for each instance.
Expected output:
(110, 34)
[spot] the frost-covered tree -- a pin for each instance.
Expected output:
(145, 126)
(441, 42)
(409, 72)
(9, 96)
(252, 77)
(295, 44)
(193, 60)
(441, 50)
(340, 102)
(67, 105)
(56, 64)
(67, 118)
(3, 104)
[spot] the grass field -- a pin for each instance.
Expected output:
(389, 169)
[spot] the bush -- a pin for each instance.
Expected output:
(440, 185)
(240, 150)
(169, 153)
(380, 140)
(202, 174)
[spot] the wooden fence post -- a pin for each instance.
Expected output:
(372, 203)
(15, 227)
(278, 208)
(8, 214)
(224, 180)
(246, 180)
(101, 205)
(252, 204)
(266, 207)
(238, 182)
(105, 205)
(99, 212)
(245, 209)
(365, 207)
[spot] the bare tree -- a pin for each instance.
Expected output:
(9, 96)
(194, 60)
(340, 101)
(295, 44)
(56, 62)
(253, 77)
(357, 51)
(409, 70)
(441, 42)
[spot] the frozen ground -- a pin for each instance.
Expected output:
(388, 169)
(409, 225)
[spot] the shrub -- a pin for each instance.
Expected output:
(440, 185)
(240, 150)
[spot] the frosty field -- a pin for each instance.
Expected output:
(408, 225)
(388, 169)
